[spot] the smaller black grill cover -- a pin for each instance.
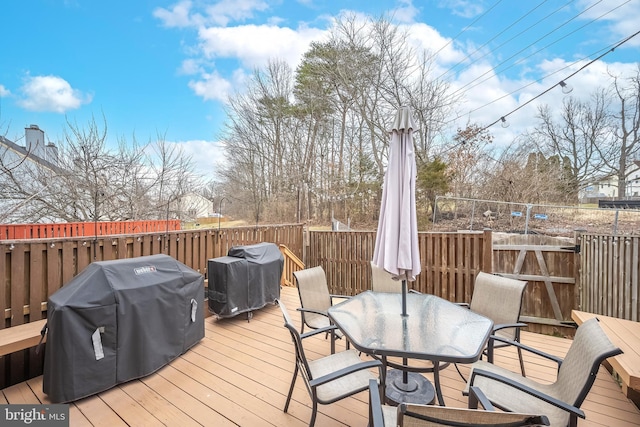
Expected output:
(120, 320)
(245, 280)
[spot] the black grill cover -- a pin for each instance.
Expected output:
(120, 320)
(245, 280)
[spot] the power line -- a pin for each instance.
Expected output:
(468, 26)
(524, 87)
(499, 34)
(494, 69)
(502, 118)
(521, 59)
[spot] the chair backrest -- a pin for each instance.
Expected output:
(301, 359)
(410, 415)
(382, 281)
(313, 288)
(499, 299)
(590, 347)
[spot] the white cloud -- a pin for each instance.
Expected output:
(254, 45)
(182, 14)
(250, 45)
(428, 38)
(226, 11)
(190, 66)
(463, 8)
(406, 12)
(211, 86)
(623, 18)
(51, 93)
(207, 156)
(4, 92)
(179, 15)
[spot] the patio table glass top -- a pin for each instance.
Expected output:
(434, 328)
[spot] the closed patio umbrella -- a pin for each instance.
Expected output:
(396, 249)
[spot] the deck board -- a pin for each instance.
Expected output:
(239, 374)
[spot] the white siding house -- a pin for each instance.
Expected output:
(607, 186)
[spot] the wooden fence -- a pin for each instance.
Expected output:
(549, 265)
(34, 269)
(87, 229)
(610, 275)
(450, 261)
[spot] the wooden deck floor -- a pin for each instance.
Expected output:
(240, 374)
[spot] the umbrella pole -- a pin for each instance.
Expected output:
(405, 374)
(404, 297)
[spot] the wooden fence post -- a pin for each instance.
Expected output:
(487, 251)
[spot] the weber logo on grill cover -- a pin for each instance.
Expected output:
(144, 270)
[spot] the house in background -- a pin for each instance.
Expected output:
(20, 163)
(35, 150)
(607, 186)
(192, 206)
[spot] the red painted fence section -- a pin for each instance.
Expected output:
(80, 229)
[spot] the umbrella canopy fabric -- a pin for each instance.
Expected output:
(396, 249)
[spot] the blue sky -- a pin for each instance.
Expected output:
(166, 67)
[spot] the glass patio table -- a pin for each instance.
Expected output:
(434, 329)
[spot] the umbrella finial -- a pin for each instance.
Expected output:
(403, 121)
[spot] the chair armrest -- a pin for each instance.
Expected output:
(509, 325)
(556, 359)
(310, 310)
(376, 419)
(345, 371)
(477, 396)
(530, 391)
(330, 329)
(462, 304)
(332, 296)
(413, 291)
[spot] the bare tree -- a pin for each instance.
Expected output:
(524, 175)
(465, 159)
(92, 181)
(579, 139)
(625, 143)
(319, 146)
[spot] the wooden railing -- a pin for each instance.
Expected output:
(292, 263)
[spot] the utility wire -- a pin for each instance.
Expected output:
(494, 69)
(568, 77)
(541, 78)
(467, 27)
(499, 34)
(527, 85)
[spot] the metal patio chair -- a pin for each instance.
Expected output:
(315, 300)
(499, 299)
(330, 378)
(381, 280)
(560, 401)
(414, 415)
